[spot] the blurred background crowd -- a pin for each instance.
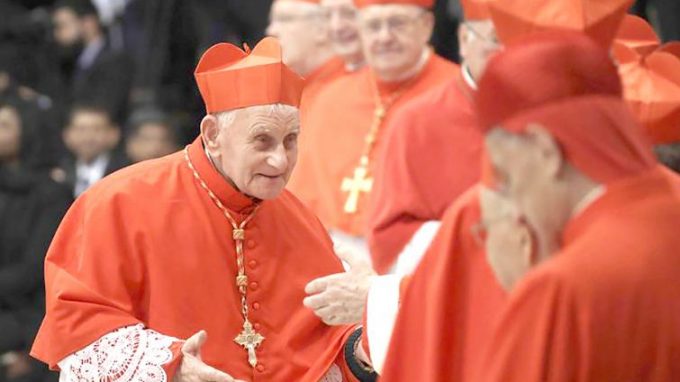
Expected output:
(88, 87)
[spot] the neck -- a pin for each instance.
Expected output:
(354, 62)
(89, 161)
(408, 73)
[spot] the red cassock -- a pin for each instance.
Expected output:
(607, 306)
(431, 156)
(334, 131)
(449, 307)
(148, 246)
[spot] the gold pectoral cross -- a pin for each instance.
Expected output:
(250, 340)
(355, 185)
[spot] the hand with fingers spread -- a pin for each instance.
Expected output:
(340, 298)
(193, 369)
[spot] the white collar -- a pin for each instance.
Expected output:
(467, 77)
(588, 199)
(90, 53)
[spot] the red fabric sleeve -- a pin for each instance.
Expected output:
(172, 367)
(90, 255)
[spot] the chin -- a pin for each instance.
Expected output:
(266, 193)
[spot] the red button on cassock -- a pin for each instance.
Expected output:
(256, 305)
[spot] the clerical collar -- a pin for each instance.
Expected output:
(588, 199)
(467, 77)
(354, 66)
(233, 199)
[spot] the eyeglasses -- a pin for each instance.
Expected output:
(398, 24)
(343, 13)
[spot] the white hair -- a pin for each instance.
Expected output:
(227, 118)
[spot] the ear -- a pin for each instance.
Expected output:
(547, 148)
(428, 25)
(210, 131)
(462, 38)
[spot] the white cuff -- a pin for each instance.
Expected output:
(128, 354)
(381, 312)
(413, 251)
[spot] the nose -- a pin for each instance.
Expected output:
(278, 159)
(334, 21)
(384, 34)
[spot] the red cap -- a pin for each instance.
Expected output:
(637, 34)
(230, 78)
(599, 19)
(651, 85)
(569, 85)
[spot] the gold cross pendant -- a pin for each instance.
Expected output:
(359, 183)
(250, 340)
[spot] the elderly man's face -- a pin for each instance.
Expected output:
(528, 169)
(343, 26)
(508, 242)
(257, 150)
(478, 43)
(298, 26)
(394, 36)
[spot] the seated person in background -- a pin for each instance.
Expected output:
(151, 135)
(31, 207)
(91, 137)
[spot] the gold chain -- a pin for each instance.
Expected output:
(362, 181)
(248, 339)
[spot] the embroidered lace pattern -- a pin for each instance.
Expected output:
(333, 375)
(128, 354)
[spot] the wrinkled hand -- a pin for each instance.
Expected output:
(192, 368)
(340, 298)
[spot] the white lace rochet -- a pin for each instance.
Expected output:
(128, 354)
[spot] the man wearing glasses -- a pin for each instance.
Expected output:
(346, 126)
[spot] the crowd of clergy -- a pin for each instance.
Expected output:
(354, 207)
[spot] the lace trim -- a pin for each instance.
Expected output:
(128, 354)
(333, 375)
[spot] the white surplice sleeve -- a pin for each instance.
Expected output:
(128, 354)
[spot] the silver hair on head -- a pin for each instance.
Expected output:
(226, 118)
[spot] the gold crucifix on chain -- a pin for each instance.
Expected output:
(359, 183)
(250, 340)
